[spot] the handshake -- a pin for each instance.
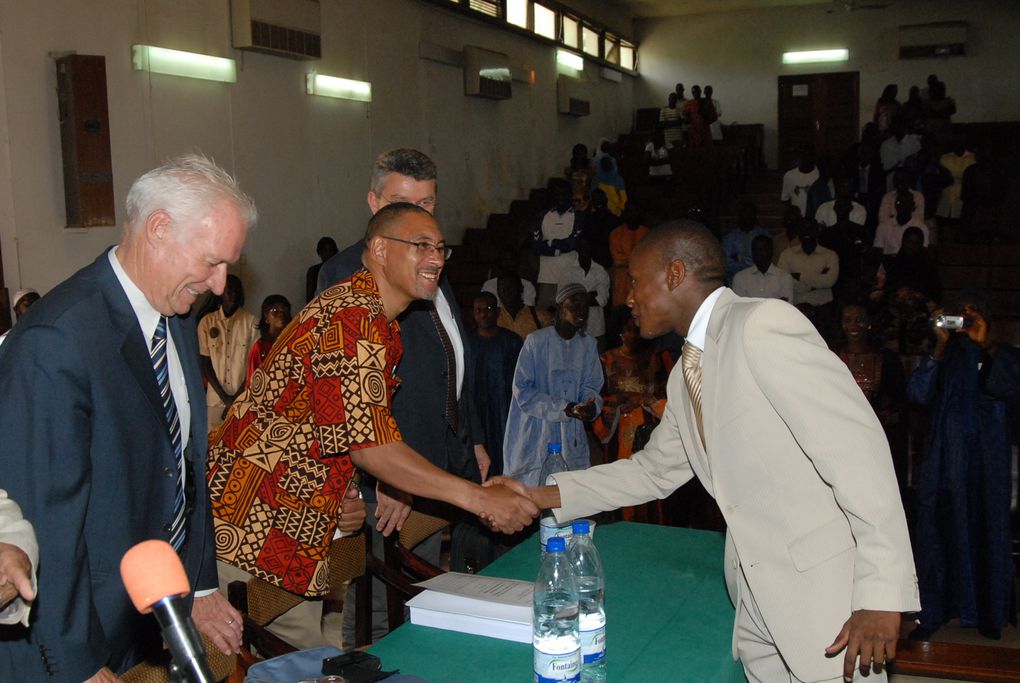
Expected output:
(506, 505)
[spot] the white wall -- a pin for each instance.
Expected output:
(304, 159)
(739, 54)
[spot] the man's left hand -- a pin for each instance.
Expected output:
(484, 462)
(218, 621)
(15, 574)
(352, 511)
(871, 634)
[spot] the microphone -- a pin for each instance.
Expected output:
(156, 582)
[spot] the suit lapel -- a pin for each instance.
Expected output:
(710, 361)
(185, 339)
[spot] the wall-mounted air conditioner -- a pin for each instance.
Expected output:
(937, 39)
(486, 73)
(289, 28)
(571, 98)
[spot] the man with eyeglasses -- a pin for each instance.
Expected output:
(320, 406)
(434, 407)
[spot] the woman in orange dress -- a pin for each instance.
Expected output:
(634, 395)
(275, 317)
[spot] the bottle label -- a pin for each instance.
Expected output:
(557, 668)
(593, 645)
(548, 528)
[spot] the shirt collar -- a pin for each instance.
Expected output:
(699, 325)
(147, 316)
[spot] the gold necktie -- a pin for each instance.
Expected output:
(690, 362)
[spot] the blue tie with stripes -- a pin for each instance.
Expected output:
(159, 365)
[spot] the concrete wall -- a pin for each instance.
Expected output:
(740, 55)
(304, 159)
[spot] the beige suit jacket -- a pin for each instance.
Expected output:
(800, 468)
(15, 530)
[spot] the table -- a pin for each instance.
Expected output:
(668, 617)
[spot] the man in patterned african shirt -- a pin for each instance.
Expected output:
(317, 408)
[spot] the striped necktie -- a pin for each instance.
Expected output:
(450, 410)
(690, 363)
(159, 365)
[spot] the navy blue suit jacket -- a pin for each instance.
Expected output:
(420, 402)
(86, 452)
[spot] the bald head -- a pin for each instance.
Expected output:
(692, 243)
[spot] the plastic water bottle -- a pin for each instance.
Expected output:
(591, 582)
(555, 631)
(552, 464)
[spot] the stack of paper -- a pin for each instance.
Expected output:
(485, 606)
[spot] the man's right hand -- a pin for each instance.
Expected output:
(104, 675)
(392, 508)
(15, 574)
(506, 510)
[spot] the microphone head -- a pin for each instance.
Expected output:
(152, 571)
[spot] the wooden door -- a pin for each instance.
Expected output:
(818, 113)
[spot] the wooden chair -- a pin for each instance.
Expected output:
(399, 568)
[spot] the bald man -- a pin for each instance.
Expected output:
(793, 454)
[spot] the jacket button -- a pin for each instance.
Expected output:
(168, 472)
(166, 528)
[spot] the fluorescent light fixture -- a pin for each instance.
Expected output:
(160, 60)
(570, 59)
(815, 56)
(340, 88)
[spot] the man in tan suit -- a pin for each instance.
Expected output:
(818, 559)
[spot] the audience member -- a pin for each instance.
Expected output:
(825, 215)
(225, 337)
(21, 302)
(697, 127)
(496, 350)
(852, 243)
(972, 386)
(879, 374)
(506, 264)
(822, 190)
(901, 185)
(889, 233)
(621, 242)
(939, 112)
(580, 175)
(554, 240)
(633, 398)
(912, 111)
(886, 110)
(660, 169)
(737, 242)
(319, 408)
(326, 249)
(276, 315)
(104, 438)
(813, 268)
(793, 455)
(440, 425)
(556, 391)
(911, 274)
(595, 281)
(608, 179)
(514, 314)
(714, 116)
(19, 557)
(763, 279)
(923, 173)
(681, 102)
(598, 224)
(797, 181)
(788, 235)
(670, 120)
(896, 149)
(956, 161)
(983, 192)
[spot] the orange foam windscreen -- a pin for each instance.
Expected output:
(152, 571)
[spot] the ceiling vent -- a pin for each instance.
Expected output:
(288, 28)
(937, 39)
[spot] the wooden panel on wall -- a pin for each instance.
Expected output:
(85, 141)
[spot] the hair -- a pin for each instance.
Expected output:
(913, 231)
(889, 93)
(762, 238)
(233, 280)
(691, 242)
(186, 187)
(409, 162)
(387, 216)
(325, 242)
(267, 303)
(488, 297)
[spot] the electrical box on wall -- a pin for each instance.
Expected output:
(85, 141)
(936, 39)
(570, 97)
(288, 28)
(487, 74)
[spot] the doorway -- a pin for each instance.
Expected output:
(819, 113)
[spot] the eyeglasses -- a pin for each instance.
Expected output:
(424, 248)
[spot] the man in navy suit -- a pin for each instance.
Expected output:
(420, 406)
(92, 451)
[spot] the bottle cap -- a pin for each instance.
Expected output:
(555, 447)
(581, 526)
(554, 545)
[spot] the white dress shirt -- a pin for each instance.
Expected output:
(775, 283)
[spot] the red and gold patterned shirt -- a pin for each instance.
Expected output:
(280, 463)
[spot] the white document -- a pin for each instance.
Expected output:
(496, 608)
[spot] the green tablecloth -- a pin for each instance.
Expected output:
(667, 615)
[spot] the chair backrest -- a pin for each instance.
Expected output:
(220, 664)
(418, 527)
